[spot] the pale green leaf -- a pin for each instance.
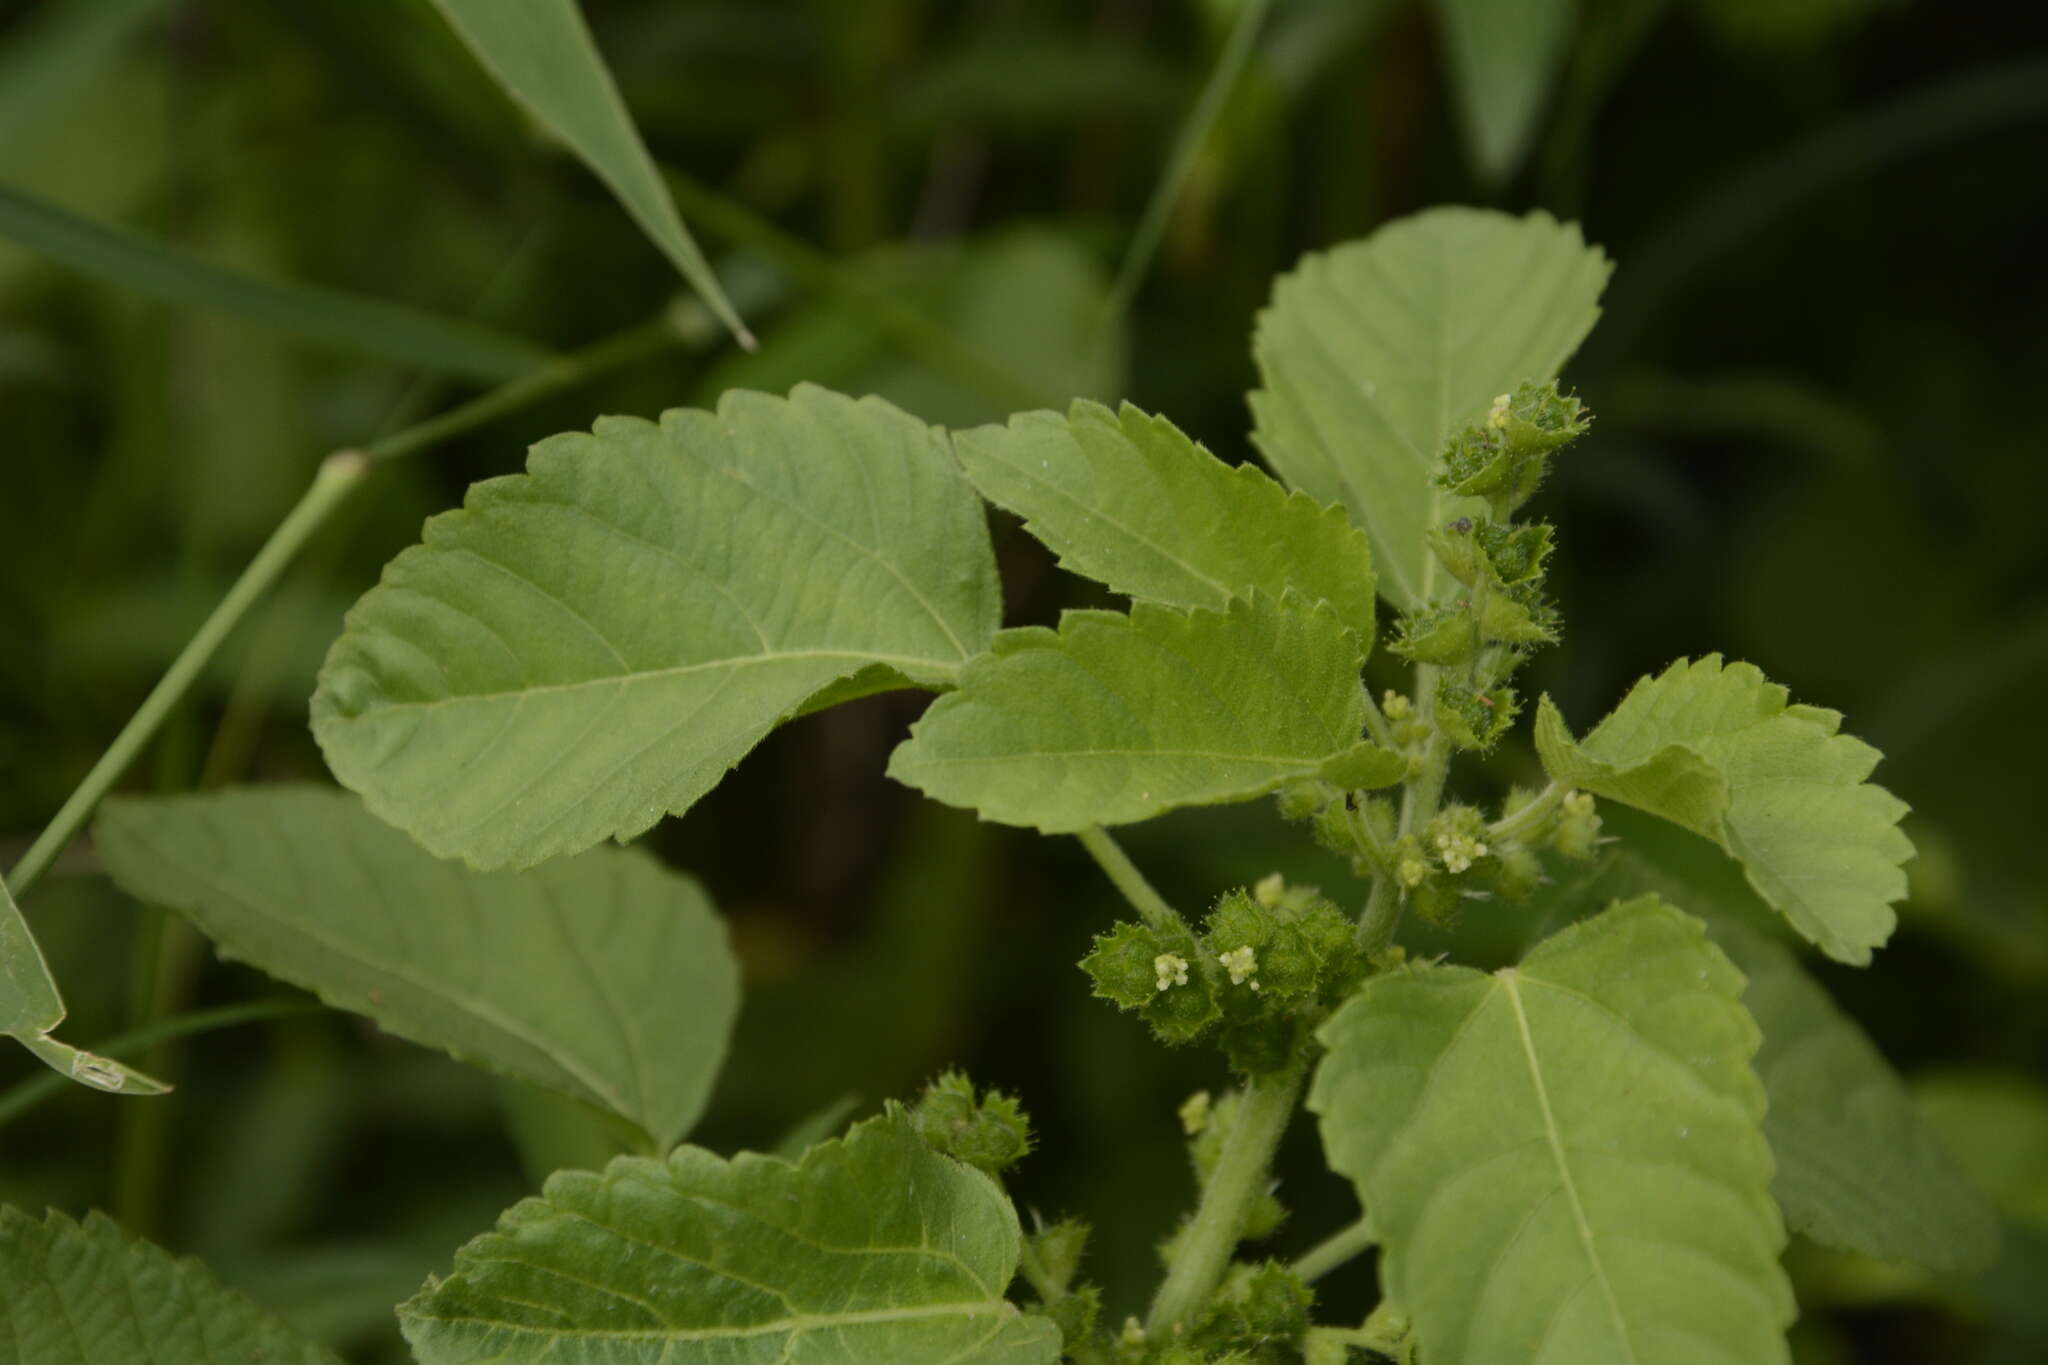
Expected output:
(873, 1250)
(542, 53)
(1858, 1168)
(589, 645)
(605, 976)
(1128, 500)
(1375, 353)
(370, 327)
(87, 1294)
(31, 1009)
(1504, 58)
(1564, 1159)
(1717, 750)
(1118, 718)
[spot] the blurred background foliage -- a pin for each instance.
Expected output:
(1815, 450)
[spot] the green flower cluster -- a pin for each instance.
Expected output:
(990, 1132)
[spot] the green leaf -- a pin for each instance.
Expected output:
(594, 643)
(542, 54)
(87, 1294)
(370, 327)
(1374, 354)
(1717, 750)
(1128, 500)
(873, 1250)
(606, 976)
(1118, 718)
(31, 1009)
(1564, 1159)
(1858, 1168)
(1504, 57)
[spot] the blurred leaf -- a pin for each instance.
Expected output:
(86, 1294)
(542, 53)
(1375, 353)
(594, 643)
(815, 1128)
(31, 1009)
(1564, 1160)
(1504, 56)
(873, 1250)
(556, 1132)
(1031, 79)
(59, 48)
(606, 977)
(1127, 499)
(1996, 1125)
(1114, 718)
(1717, 750)
(372, 327)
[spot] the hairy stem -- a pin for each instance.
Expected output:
(1528, 817)
(1124, 874)
(1240, 1174)
(1339, 1248)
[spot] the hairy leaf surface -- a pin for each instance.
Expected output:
(87, 1294)
(1116, 718)
(873, 1250)
(595, 642)
(31, 1008)
(1504, 57)
(542, 54)
(1717, 750)
(1127, 499)
(605, 976)
(1372, 355)
(1564, 1159)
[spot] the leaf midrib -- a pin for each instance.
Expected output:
(794, 1324)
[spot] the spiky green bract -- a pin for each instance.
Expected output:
(989, 1132)
(1474, 717)
(1161, 974)
(873, 1250)
(605, 976)
(88, 1294)
(1565, 1159)
(1259, 1310)
(1127, 499)
(1119, 718)
(1373, 354)
(589, 645)
(1716, 749)
(31, 1009)
(1505, 457)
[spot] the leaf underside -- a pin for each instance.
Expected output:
(589, 645)
(1717, 750)
(1116, 718)
(1128, 500)
(31, 1008)
(604, 976)
(1564, 1159)
(1373, 354)
(873, 1250)
(86, 1294)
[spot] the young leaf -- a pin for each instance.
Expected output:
(593, 643)
(1119, 718)
(873, 1250)
(1858, 1168)
(1127, 499)
(1374, 354)
(373, 327)
(31, 1009)
(1717, 750)
(86, 1294)
(542, 53)
(1504, 56)
(605, 976)
(1564, 1159)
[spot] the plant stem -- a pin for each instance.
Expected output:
(1339, 1248)
(1528, 817)
(33, 1091)
(1194, 131)
(1034, 1273)
(1376, 723)
(1206, 1245)
(1124, 874)
(338, 474)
